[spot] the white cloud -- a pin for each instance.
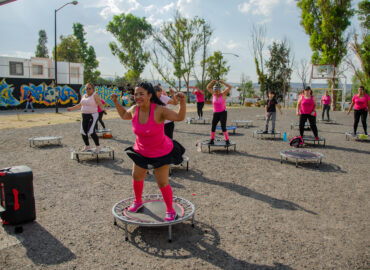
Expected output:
(259, 7)
(232, 45)
(168, 7)
(154, 21)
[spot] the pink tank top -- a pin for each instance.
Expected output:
(88, 104)
(199, 95)
(102, 102)
(307, 105)
(150, 141)
(326, 100)
(218, 103)
(361, 103)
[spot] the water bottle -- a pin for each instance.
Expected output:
(285, 138)
(189, 120)
(199, 147)
(71, 150)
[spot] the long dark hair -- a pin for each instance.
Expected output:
(149, 88)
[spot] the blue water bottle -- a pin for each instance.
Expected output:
(285, 137)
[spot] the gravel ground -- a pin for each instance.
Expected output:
(251, 211)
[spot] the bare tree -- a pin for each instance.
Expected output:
(302, 71)
(258, 45)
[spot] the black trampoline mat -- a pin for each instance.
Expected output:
(218, 143)
(301, 154)
(227, 127)
(268, 133)
(153, 211)
(46, 138)
(103, 150)
(312, 138)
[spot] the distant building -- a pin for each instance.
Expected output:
(41, 68)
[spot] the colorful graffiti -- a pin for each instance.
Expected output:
(105, 93)
(46, 94)
(6, 95)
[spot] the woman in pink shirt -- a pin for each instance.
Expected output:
(89, 107)
(361, 101)
(306, 109)
(152, 146)
(325, 101)
(219, 108)
(200, 101)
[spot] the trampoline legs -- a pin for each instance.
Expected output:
(187, 166)
(126, 233)
(296, 163)
(170, 233)
(192, 221)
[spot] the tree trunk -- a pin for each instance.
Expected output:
(333, 95)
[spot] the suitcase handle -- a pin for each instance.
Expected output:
(16, 204)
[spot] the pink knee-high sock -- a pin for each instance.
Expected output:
(167, 197)
(213, 134)
(226, 135)
(138, 189)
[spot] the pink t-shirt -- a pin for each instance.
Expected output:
(199, 95)
(307, 105)
(326, 99)
(100, 110)
(89, 104)
(361, 103)
(150, 141)
(218, 103)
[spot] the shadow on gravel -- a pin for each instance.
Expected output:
(352, 150)
(42, 247)
(201, 242)
(195, 175)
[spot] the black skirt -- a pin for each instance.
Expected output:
(174, 157)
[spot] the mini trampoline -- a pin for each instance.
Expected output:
(152, 214)
(185, 161)
(218, 143)
(357, 137)
(326, 121)
(37, 141)
(311, 139)
(261, 117)
(199, 121)
(306, 125)
(259, 134)
(242, 123)
(228, 128)
(106, 150)
(102, 132)
(301, 155)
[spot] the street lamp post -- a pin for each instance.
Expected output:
(56, 58)
(219, 62)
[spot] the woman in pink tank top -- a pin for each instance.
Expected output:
(325, 101)
(152, 147)
(306, 109)
(219, 108)
(89, 107)
(361, 101)
(199, 93)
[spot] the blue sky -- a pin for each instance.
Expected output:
(231, 20)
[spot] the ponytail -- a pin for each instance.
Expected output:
(149, 88)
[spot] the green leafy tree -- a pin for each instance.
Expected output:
(217, 68)
(41, 49)
(131, 32)
(87, 54)
(325, 21)
(68, 49)
(246, 88)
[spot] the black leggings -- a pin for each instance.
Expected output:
(168, 129)
(312, 119)
(100, 119)
(327, 109)
(200, 108)
(363, 114)
(88, 127)
(219, 116)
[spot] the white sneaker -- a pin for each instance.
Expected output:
(97, 149)
(86, 148)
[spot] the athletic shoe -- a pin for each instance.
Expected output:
(86, 148)
(265, 132)
(227, 142)
(97, 149)
(25, 110)
(32, 110)
(136, 206)
(171, 216)
(273, 132)
(317, 138)
(212, 141)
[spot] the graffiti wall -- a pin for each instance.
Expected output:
(13, 93)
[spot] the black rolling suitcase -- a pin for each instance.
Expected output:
(17, 201)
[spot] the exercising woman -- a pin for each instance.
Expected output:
(152, 146)
(361, 101)
(219, 108)
(101, 113)
(89, 107)
(169, 126)
(306, 109)
(200, 101)
(325, 101)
